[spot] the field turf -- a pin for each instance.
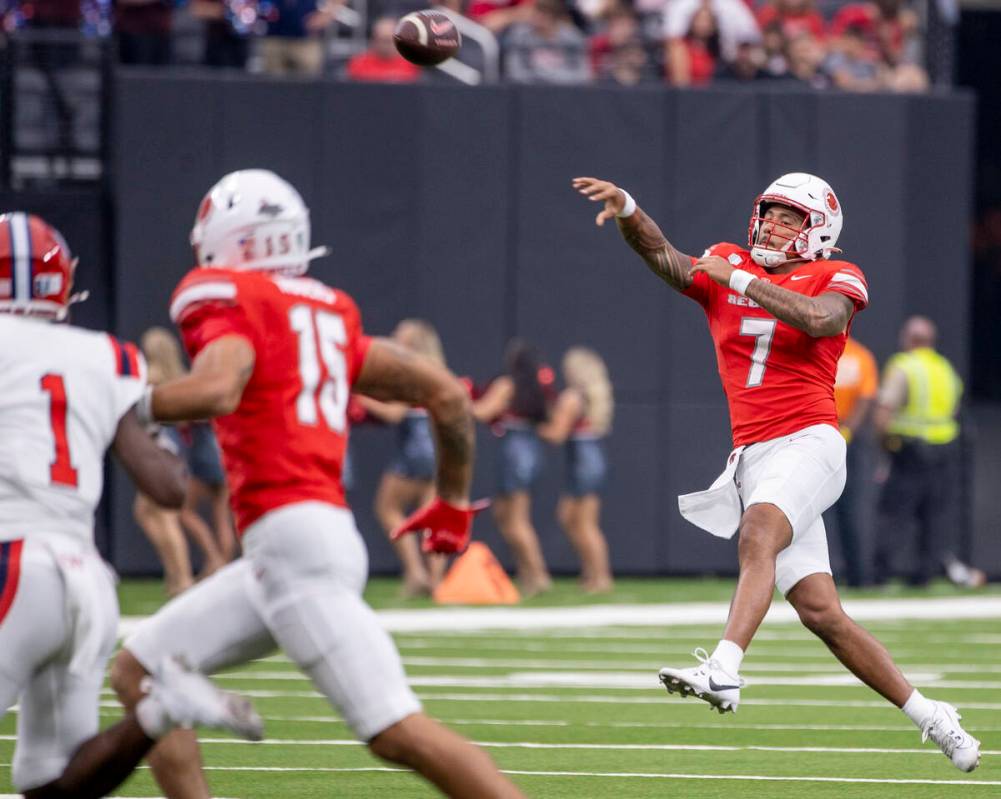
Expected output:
(575, 710)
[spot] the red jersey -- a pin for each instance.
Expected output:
(286, 441)
(777, 379)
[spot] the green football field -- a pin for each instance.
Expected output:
(565, 697)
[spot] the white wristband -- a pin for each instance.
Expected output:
(740, 280)
(630, 205)
(144, 407)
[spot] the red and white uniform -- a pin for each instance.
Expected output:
(286, 441)
(777, 379)
(63, 391)
(299, 584)
(779, 383)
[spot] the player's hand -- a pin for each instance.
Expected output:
(444, 527)
(601, 191)
(718, 269)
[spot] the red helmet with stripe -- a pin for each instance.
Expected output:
(36, 267)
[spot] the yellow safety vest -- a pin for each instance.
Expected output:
(933, 392)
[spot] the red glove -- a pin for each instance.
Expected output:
(445, 527)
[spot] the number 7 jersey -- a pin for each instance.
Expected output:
(63, 391)
(777, 379)
(286, 441)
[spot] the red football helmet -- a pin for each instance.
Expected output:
(36, 267)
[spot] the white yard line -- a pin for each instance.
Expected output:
(604, 774)
(351, 742)
(679, 613)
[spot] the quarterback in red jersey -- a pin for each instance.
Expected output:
(779, 312)
(275, 356)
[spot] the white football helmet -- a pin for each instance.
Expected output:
(821, 226)
(252, 219)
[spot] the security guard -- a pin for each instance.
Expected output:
(916, 421)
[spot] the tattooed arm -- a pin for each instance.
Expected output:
(824, 315)
(392, 373)
(827, 314)
(640, 232)
(213, 387)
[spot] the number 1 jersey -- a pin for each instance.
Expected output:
(286, 441)
(63, 391)
(777, 379)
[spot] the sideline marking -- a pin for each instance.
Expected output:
(670, 614)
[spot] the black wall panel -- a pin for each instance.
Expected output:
(455, 204)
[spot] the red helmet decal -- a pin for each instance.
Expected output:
(205, 208)
(831, 201)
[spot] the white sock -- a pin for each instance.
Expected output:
(153, 718)
(729, 656)
(917, 708)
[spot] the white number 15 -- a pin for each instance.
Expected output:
(327, 329)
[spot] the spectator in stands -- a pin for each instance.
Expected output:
(773, 42)
(890, 30)
(515, 404)
(293, 42)
(852, 64)
(581, 419)
(735, 21)
(143, 28)
(381, 62)
(227, 33)
(748, 65)
(618, 27)
(499, 15)
(805, 55)
(547, 48)
(628, 65)
(692, 59)
(792, 17)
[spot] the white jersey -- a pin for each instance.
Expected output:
(63, 391)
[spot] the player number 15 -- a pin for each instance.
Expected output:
(323, 331)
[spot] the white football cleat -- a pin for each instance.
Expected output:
(957, 744)
(707, 681)
(190, 699)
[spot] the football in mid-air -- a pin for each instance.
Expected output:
(427, 37)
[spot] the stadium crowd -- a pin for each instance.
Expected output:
(874, 45)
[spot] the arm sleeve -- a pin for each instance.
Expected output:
(849, 280)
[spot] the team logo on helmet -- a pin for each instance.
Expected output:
(205, 208)
(831, 202)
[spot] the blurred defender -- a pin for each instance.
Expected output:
(275, 356)
(67, 395)
(779, 314)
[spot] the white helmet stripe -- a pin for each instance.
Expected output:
(20, 245)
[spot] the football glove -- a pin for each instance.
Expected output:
(444, 527)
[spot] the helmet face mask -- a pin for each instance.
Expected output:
(254, 220)
(809, 196)
(36, 268)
